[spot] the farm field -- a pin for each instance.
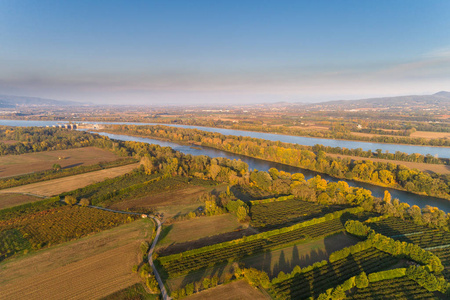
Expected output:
(175, 196)
(12, 165)
(238, 290)
(316, 281)
(399, 288)
(396, 226)
(427, 239)
(89, 268)
(284, 213)
(302, 254)
(54, 226)
(274, 261)
(8, 200)
(60, 185)
(197, 228)
(430, 168)
(430, 135)
(185, 264)
(134, 292)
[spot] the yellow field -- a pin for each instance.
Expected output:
(430, 135)
(430, 168)
(12, 165)
(89, 268)
(60, 185)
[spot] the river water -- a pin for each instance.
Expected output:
(262, 165)
(443, 152)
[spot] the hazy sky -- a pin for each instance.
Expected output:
(182, 52)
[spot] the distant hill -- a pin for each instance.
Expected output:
(440, 100)
(8, 101)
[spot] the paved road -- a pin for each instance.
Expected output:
(152, 248)
(150, 259)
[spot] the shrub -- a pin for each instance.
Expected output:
(144, 247)
(361, 281)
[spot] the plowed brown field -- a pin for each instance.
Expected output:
(89, 268)
(233, 291)
(12, 165)
(8, 200)
(60, 185)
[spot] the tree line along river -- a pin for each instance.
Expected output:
(262, 165)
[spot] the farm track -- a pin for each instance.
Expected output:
(57, 186)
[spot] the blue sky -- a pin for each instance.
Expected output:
(190, 52)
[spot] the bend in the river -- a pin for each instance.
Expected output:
(263, 165)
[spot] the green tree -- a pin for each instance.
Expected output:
(70, 200)
(84, 202)
(242, 213)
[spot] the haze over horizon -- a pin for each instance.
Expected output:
(202, 52)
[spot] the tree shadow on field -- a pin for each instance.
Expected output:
(165, 231)
(73, 165)
(208, 272)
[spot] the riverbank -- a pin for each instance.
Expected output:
(263, 159)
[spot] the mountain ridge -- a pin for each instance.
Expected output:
(11, 101)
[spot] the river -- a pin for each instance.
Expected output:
(443, 152)
(377, 191)
(262, 165)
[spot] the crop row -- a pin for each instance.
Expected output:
(277, 214)
(398, 288)
(55, 226)
(186, 264)
(444, 256)
(396, 226)
(446, 274)
(316, 281)
(431, 238)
